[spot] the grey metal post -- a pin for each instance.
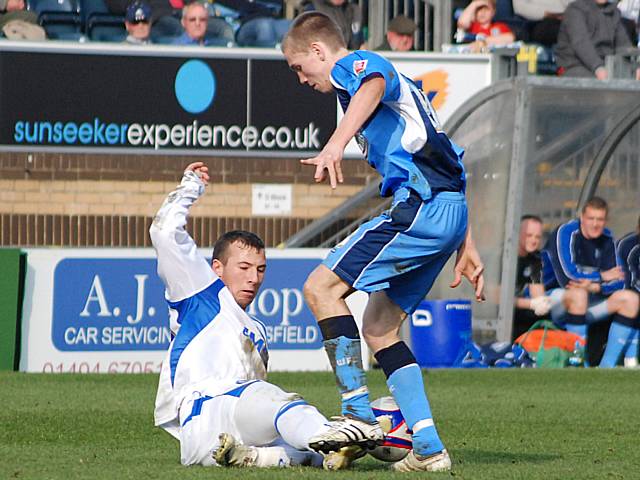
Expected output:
(377, 22)
(513, 210)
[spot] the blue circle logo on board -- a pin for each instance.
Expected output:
(195, 86)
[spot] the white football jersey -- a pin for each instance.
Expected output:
(217, 345)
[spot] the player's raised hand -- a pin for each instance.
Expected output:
(469, 265)
(200, 169)
(328, 161)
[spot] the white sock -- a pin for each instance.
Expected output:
(286, 456)
(299, 423)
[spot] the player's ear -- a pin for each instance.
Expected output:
(217, 266)
(318, 50)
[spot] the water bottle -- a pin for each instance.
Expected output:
(577, 356)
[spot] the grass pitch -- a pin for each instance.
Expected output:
(497, 424)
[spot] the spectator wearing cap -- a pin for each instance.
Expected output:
(399, 36)
(165, 21)
(138, 23)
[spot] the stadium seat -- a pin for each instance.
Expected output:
(99, 24)
(60, 18)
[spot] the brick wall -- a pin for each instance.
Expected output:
(102, 200)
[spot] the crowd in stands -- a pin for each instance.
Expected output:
(575, 35)
(579, 279)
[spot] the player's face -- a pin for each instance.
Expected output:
(242, 272)
(530, 236)
(312, 68)
(592, 222)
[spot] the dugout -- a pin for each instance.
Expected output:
(543, 146)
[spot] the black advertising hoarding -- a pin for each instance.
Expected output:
(158, 100)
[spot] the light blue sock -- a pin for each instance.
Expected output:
(618, 340)
(632, 349)
(345, 356)
(407, 388)
(580, 330)
(577, 329)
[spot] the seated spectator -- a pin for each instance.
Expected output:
(195, 18)
(583, 279)
(531, 304)
(19, 24)
(138, 23)
(258, 26)
(476, 21)
(629, 253)
(543, 18)
(399, 36)
(345, 14)
(590, 30)
(199, 29)
(164, 20)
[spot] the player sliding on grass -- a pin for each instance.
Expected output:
(212, 395)
(394, 257)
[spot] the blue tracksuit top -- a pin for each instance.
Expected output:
(568, 255)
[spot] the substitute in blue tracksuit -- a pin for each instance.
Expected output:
(628, 248)
(586, 285)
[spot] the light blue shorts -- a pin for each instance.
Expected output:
(403, 250)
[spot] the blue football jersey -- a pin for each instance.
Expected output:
(628, 249)
(403, 139)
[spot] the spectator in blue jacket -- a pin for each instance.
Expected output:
(583, 279)
(629, 254)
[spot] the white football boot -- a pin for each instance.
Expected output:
(230, 453)
(438, 462)
(347, 431)
(343, 458)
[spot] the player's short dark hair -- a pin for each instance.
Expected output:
(597, 203)
(313, 27)
(529, 216)
(248, 239)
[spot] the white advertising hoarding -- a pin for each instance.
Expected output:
(103, 311)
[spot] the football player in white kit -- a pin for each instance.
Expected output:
(212, 394)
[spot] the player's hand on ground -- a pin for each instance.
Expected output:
(328, 162)
(200, 169)
(469, 265)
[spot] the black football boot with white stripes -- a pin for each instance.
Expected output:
(346, 431)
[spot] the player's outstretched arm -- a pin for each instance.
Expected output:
(469, 265)
(183, 271)
(361, 106)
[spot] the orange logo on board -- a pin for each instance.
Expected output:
(435, 85)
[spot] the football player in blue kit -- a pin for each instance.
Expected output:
(396, 256)
(584, 281)
(628, 249)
